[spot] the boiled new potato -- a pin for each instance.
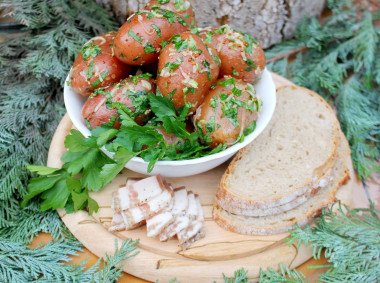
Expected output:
(227, 113)
(141, 37)
(241, 56)
(186, 70)
(180, 7)
(131, 92)
(96, 66)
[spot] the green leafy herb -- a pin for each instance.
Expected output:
(90, 50)
(208, 38)
(149, 48)
(210, 125)
(187, 90)
(134, 36)
(90, 70)
(162, 106)
(99, 80)
(157, 29)
(217, 59)
(251, 65)
(172, 66)
(58, 187)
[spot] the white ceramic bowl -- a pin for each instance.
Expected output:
(265, 90)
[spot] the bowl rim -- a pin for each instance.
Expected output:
(230, 150)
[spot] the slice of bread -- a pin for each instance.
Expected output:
(313, 188)
(302, 214)
(286, 160)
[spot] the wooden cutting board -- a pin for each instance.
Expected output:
(205, 261)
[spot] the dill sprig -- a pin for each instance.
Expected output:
(338, 57)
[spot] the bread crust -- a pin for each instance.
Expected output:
(230, 225)
(231, 201)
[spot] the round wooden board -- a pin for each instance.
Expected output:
(205, 261)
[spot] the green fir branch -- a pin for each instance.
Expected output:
(51, 263)
(349, 239)
(284, 275)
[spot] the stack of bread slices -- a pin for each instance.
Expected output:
(290, 172)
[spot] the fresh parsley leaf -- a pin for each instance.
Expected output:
(56, 197)
(176, 127)
(121, 157)
(143, 135)
(74, 141)
(92, 206)
(42, 170)
(39, 185)
(161, 106)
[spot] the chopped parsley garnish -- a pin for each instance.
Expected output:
(90, 69)
(137, 58)
(172, 66)
(214, 101)
(162, 2)
(210, 125)
(251, 65)
(170, 94)
(217, 59)
(207, 65)
(187, 90)
(195, 31)
(236, 91)
(227, 82)
(90, 50)
(234, 72)
(134, 36)
(99, 80)
(149, 48)
(163, 43)
(157, 29)
(208, 38)
(181, 21)
(250, 42)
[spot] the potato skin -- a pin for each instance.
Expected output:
(186, 70)
(241, 56)
(213, 122)
(180, 7)
(137, 42)
(100, 69)
(96, 111)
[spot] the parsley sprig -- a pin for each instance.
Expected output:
(87, 168)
